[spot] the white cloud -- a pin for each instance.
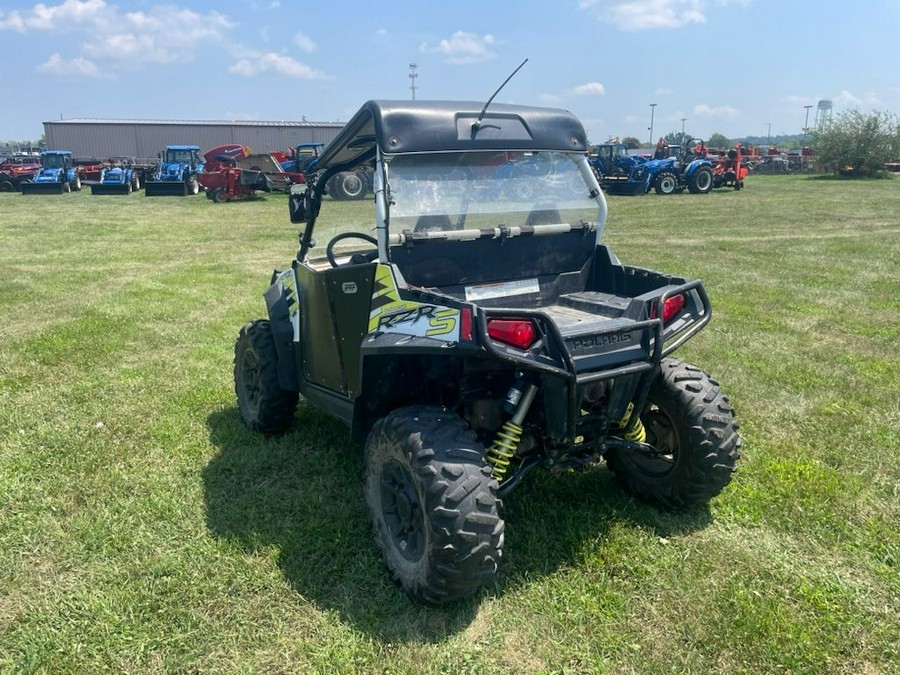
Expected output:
(588, 89)
(635, 15)
(463, 48)
(59, 17)
(77, 66)
(157, 34)
(305, 43)
(158, 37)
(704, 110)
(848, 100)
(275, 63)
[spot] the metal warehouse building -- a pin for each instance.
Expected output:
(101, 138)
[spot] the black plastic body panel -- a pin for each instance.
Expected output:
(334, 318)
(278, 304)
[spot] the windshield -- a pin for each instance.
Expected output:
(54, 161)
(179, 156)
(477, 190)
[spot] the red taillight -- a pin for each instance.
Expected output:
(672, 306)
(519, 333)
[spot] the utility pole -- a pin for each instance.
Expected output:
(413, 75)
(769, 134)
(806, 123)
(652, 110)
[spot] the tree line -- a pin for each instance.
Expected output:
(854, 143)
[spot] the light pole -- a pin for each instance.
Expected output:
(652, 110)
(683, 120)
(769, 134)
(806, 123)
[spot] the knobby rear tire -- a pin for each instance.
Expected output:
(433, 504)
(692, 426)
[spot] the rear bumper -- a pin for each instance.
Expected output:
(584, 349)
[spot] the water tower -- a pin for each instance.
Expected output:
(823, 113)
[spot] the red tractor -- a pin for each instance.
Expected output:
(729, 170)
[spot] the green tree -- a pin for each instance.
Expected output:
(858, 143)
(677, 138)
(718, 140)
(631, 142)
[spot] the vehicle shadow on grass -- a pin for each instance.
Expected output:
(302, 493)
(557, 521)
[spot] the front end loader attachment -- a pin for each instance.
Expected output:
(624, 188)
(32, 188)
(101, 189)
(155, 188)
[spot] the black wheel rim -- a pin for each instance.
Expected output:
(250, 376)
(402, 511)
(662, 437)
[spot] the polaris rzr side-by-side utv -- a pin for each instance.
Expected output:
(476, 328)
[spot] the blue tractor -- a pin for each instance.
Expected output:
(176, 173)
(688, 169)
(622, 174)
(58, 174)
(618, 172)
(119, 178)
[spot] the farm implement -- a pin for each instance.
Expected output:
(14, 170)
(729, 170)
(225, 178)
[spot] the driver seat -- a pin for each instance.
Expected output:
(543, 214)
(433, 223)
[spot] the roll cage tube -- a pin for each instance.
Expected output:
(318, 191)
(590, 178)
(381, 207)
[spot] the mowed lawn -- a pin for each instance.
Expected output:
(143, 529)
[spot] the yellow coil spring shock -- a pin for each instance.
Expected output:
(503, 448)
(507, 441)
(634, 431)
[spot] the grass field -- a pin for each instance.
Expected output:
(143, 529)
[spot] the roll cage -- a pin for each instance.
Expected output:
(381, 130)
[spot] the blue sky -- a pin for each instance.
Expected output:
(738, 67)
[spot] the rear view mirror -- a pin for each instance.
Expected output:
(298, 205)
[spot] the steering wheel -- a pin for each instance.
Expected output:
(369, 256)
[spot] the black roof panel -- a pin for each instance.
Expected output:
(433, 126)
